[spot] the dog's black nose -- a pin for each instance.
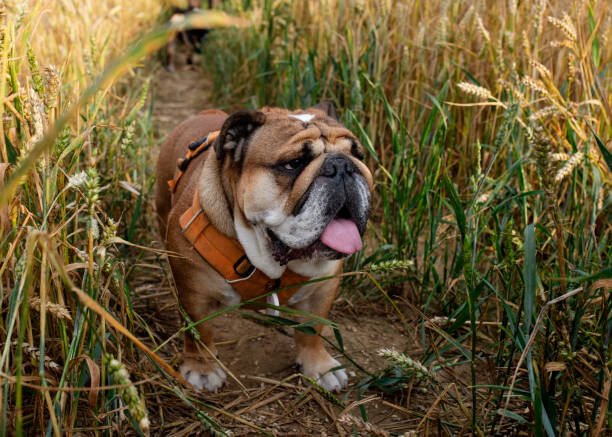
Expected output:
(336, 166)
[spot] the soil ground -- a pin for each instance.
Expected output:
(264, 391)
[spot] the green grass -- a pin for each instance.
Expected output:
(468, 193)
(485, 241)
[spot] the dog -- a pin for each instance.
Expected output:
(288, 188)
(192, 38)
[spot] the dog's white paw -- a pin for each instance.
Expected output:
(333, 380)
(320, 371)
(203, 376)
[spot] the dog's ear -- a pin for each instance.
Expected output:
(236, 131)
(328, 108)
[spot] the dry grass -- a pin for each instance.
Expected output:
(56, 235)
(79, 38)
(483, 122)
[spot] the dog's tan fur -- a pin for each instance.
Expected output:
(236, 184)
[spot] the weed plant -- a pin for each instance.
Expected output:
(486, 124)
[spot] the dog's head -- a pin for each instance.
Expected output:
(296, 184)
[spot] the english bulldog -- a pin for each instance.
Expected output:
(292, 188)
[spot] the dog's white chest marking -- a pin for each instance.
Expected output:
(305, 118)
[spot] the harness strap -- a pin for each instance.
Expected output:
(227, 257)
(193, 150)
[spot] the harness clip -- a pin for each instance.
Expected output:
(182, 163)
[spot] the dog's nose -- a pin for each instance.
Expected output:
(337, 165)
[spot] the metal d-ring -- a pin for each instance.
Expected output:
(272, 299)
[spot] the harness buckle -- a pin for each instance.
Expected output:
(249, 271)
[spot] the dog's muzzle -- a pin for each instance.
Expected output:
(331, 216)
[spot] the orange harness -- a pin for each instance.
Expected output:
(225, 254)
(193, 150)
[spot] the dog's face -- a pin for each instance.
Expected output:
(298, 184)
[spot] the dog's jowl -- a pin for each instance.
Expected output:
(261, 202)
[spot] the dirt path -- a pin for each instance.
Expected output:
(258, 356)
(177, 96)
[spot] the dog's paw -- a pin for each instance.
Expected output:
(333, 380)
(203, 375)
(321, 371)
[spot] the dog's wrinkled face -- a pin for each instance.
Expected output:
(298, 183)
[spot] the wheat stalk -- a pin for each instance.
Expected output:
(544, 113)
(565, 26)
(34, 352)
(410, 366)
(59, 311)
(475, 90)
(569, 166)
(129, 393)
(544, 72)
(363, 427)
(536, 85)
(556, 157)
(483, 30)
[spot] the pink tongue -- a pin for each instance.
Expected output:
(342, 235)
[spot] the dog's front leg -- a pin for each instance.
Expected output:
(312, 356)
(317, 363)
(199, 366)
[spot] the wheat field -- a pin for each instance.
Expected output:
(488, 131)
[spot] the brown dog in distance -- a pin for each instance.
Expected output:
(292, 188)
(192, 39)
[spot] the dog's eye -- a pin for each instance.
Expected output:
(356, 151)
(294, 164)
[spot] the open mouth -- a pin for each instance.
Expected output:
(340, 238)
